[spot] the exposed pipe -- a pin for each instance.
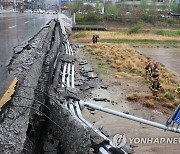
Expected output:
(79, 115)
(68, 77)
(62, 26)
(69, 51)
(71, 107)
(66, 50)
(69, 80)
(64, 73)
(130, 117)
(72, 76)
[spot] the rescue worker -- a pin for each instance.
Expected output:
(149, 70)
(178, 90)
(155, 67)
(94, 39)
(97, 37)
(155, 82)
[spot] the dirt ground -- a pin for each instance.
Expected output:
(117, 93)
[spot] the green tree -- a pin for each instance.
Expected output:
(87, 8)
(174, 6)
(178, 9)
(112, 9)
(97, 7)
(143, 4)
(153, 5)
(76, 6)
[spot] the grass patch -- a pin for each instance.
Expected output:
(81, 34)
(149, 104)
(129, 71)
(150, 42)
(160, 32)
(117, 37)
(100, 65)
(88, 19)
(135, 29)
(169, 105)
(169, 96)
(134, 97)
(178, 32)
(169, 33)
(102, 69)
(139, 74)
(129, 64)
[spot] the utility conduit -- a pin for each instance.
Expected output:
(68, 79)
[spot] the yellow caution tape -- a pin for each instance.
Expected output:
(7, 95)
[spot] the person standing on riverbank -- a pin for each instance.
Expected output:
(95, 38)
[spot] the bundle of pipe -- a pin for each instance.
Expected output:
(74, 106)
(68, 68)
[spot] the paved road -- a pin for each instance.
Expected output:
(14, 29)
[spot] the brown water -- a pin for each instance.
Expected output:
(170, 57)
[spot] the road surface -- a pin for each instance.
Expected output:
(15, 29)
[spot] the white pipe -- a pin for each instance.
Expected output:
(68, 77)
(71, 107)
(74, 111)
(72, 77)
(78, 111)
(130, 117)
(69, 51)
(64, 73)
(66, 49)
(102, 151)
(62, 26)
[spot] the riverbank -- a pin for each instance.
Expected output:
(129, 64)
(149, 39)
(113, 94)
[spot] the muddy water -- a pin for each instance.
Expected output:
(170, 57)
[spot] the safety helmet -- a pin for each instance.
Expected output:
(156, 69)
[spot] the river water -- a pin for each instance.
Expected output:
(170, 57)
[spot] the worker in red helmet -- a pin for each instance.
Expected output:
(148, 69)
(155, 73)
(155, 82)
(155, 66)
